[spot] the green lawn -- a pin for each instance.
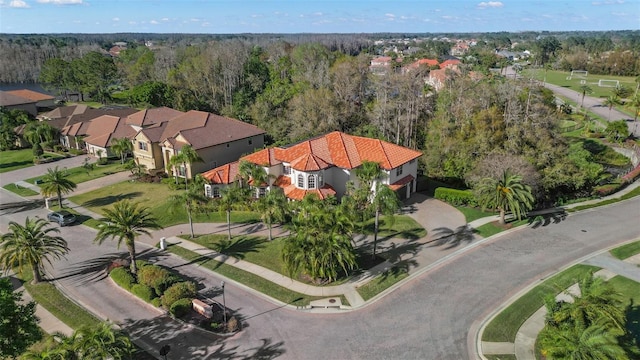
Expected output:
(493, 228)
(629, 195)
(15, 159)
(382, 282)
(503, 328)
(79, 174)
(253, 281)
(471, 214)
(626, 251)
(155, 197)
(401, 226)
(19, 190)
(559, 78)
(630, 291)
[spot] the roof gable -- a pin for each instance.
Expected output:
(31, 95)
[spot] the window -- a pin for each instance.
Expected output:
(207, 190)
(320, 180)
(399, 170)
(301, 181)
(262, 192)
(287, 169)
(182, 171)
(311, 182)
(250, 141)
(142, 145)
(216, 192)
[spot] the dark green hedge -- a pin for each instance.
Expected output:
(143, 292)
(180, 307)
(122, 277)
(178, 291)
(456, 197)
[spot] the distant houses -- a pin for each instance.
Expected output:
(26, 100)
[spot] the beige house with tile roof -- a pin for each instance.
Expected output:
(75, 126)
(323, 166)
(101, 131)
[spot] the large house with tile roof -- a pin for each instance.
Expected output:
(14, 102)
(78, 124)
(218, 140)
(323, 166)
(42, 100)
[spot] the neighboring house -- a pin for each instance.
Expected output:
(74, 128)
(217, 140)
(43, 101)
(323, 166)
(438, 78)
(64, 112)
(422, 63)
(153, 126)
(100, 132)
(449, 63)
(380, 65)
(14, 102)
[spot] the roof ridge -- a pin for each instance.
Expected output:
(344, 147)
(384, 151)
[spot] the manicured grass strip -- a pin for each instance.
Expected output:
(15, 159)
(503, 328)
(501, 357)
(471, 214)
(19, 190)
(493, 228)
(381, 283)
(626, 251)
(67, 311)
(79, 174)
(402, 226)
(629, 195)
(253, 281)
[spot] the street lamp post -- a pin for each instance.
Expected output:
(224, 305)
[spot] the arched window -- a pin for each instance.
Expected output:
(300, 181)
(311, 182)
(216, 192)
(320, 180)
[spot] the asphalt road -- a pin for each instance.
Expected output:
(435, 316)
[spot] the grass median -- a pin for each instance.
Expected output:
(19, 190)
(504, 327)
(382, 282)
(626, 251)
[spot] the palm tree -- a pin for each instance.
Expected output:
(321, 243)
(192, 200)
(32, 245)
(122, 147)
(102, 342)
(585, 90)
(368, 172)
(506, 194)
(384, 201)
(230, 197)
(272, 208)
(185, 157)
(56, 182)
(595, 342)
(610, 102)
(634, 103)
(125, 222)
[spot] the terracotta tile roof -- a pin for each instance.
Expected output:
(402, 182)
(7, 99)
(264, 157)
(225, 174)
(65, 111)
(449, 63)
(424, 62)
(294, 193)
(282, 181)
(149, 117)
(214, 129)
(309, 162)
(31, 95)
(88, 115)
(102, 130)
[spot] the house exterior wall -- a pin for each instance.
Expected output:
(225, 153)
(93, 150)
(46, 103)
(29, 108)
(151, 157)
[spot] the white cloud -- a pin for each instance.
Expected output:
(116, 19)
(165, 19)
(206, 24)
(490, 4)
(607, 2)
(18, 4)
(132, 23)
(389, 15)
(195, 20)
(154, 22)
(317, 14)
(61, 2)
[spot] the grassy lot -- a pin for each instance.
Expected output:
(505, 326)
(19, 190)
(630, 291)
(153, 196)
(253, 281)
(626, 251)
(79, 174)
(471, 214)
(382, 282)
(401, 226)
(15, 159)
(47, 295)
(559, 78)
(629, 195)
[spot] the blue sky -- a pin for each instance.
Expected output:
(289, 16)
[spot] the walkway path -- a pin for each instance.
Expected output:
(524, 346)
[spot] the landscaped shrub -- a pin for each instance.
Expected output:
(143, 292)
(178, 291)
(122, 277)
(156, 277)
(456, 197)
(233, 325)
(180, 307)
(157, 302)
(142, 263)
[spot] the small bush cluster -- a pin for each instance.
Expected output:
(180, 307)
(144, 292)
(181, 290)
(122, 277)
(456, 197)
(157, 278)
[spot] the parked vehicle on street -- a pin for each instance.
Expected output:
(61, 217)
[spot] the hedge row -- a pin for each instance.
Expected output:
(456, 197)
(122, 277)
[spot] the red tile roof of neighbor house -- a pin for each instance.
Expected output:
(424, 62)
(402, 182)
(8, 99)
(294, 193)
(264, 157)
(31, 95)
(225, 174)
(449, 63)
(335, 149)
(149, 117)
